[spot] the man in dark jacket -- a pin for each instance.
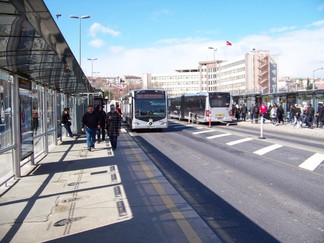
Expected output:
(102, 117)
(255, 113)
(310, 116)
(244, 111)
(90, 124)
(113, 125)
(321, 115)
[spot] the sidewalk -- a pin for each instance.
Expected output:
(74, 195)
(284, 128)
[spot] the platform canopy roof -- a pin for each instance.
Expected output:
(32, 46)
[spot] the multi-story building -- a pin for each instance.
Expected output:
(180, 82)
(255, 73)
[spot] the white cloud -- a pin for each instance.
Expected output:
(297, 51)
(97, 43)
(98, 28)
(282, 29)
(318, 23)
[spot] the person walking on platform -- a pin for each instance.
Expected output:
(35, 120)
(280, 114)
(244, 112)
(119, 111)
(310, 116)
(113, 125)
(101, 132)
(255, 113)
(321, 115)
(273, 114)
(317, 120)
(90, 124)
(67, 121)
(297, 117)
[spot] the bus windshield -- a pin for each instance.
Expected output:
(150, 105)
(217, 99)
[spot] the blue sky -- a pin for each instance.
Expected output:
(132, 37)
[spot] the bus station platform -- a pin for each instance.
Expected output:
(74, 195)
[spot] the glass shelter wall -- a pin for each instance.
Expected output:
(50, 117)
(38, 121)
(6, 129)
(39, 118)
(36, 64)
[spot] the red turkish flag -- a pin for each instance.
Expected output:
(228, 43)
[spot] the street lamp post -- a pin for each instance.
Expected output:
(92, 59)
(80, 18)
(314, 75)
(214, 50)
(214, 63)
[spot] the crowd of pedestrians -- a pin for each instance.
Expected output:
(96, 124)
(297, 115)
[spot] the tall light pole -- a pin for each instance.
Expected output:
(80, 18)
(214, 49)
(214, 63)
(314, 76)
(92, 59)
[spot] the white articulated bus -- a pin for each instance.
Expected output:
(202, 107)
(145, 109)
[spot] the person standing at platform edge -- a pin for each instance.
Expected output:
(102, 119)
(310, 116)
(113, 125)
(66, 121)
(90, 124)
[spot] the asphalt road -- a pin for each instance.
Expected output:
(247, 189)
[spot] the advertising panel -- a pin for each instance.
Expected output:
(25, 106)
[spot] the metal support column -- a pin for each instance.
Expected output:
(55, 117)
(16, 128)
(45, 100)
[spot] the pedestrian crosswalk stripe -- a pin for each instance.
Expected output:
(205, 131)
(219, 135)
(312, 162)
(239, 141)
(267, 149)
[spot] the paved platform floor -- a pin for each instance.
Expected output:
(74, 195)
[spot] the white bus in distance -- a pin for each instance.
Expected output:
(202, 107)
(145, 109)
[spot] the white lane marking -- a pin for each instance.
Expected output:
(219, 135)
(205, 131)
(239, 141)
(267, 149)
(312, 162)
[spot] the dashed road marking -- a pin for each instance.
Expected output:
(239, 141)
(205, 131)
(267, 149)
(312, 162)
(219, 135)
